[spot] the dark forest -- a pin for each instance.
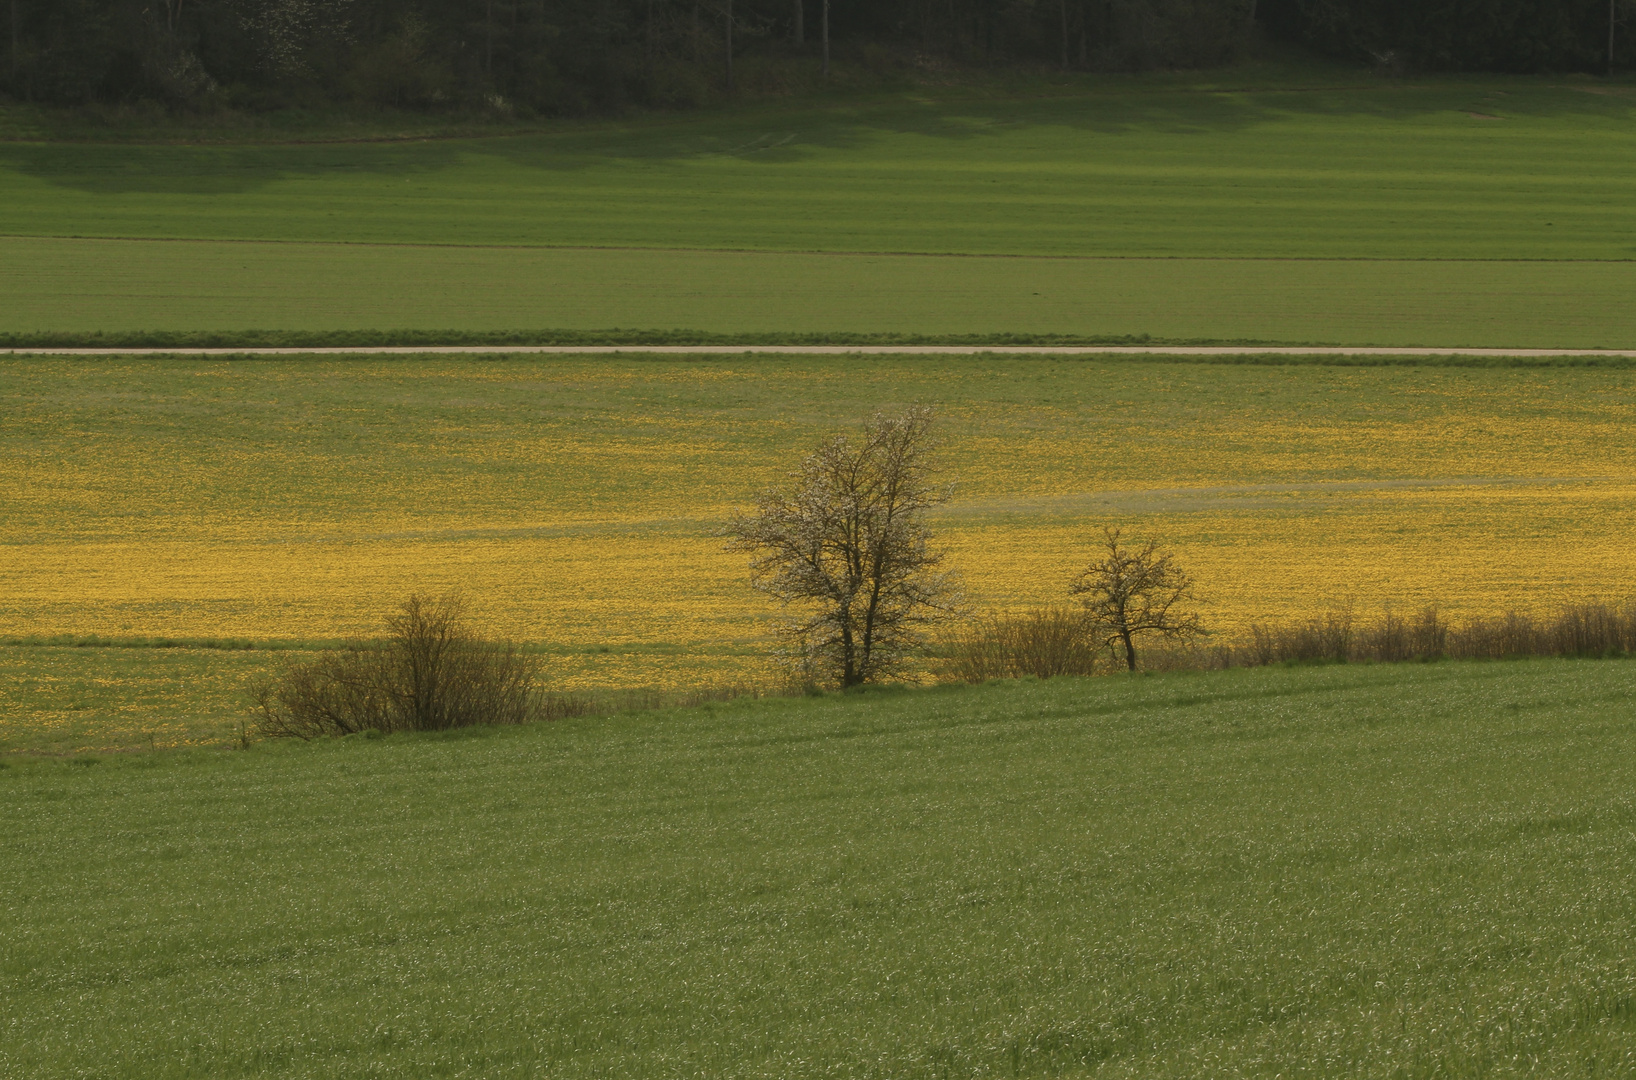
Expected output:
(576, 56)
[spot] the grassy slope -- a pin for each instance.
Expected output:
(1406, 871)
(1385, 171)
(1103, 168)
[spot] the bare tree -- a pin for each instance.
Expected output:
(1064, 35)
(824, 29)
(1613, 21)
(1128, 594)
(849, 546)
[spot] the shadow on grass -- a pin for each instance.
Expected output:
(782, 136)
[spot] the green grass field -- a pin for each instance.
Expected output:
(1291, 213)
(122, 285)
(1369, 871)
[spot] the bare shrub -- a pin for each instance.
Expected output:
(1044, 642)
(1511, 634)
(1395, 640)
(1584, 629)
(1337, 637)
(336, 694)
(976, 652)
(431, 673)
(1593, 628)
(1327, 637)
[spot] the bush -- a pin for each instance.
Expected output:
(1585, 629)
(432, 673)
(1044, 642)
(1328, 637)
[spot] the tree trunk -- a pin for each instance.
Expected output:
(516, 47)
(798, 26)
(729, 45)
(1130, 649)
(1612, 13)
(16, 46)
(1064, 35)
(849, 659)
(488, 41)
(826, 38)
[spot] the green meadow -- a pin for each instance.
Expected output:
(1347, 871)
(1375, 171)
(1340, 207)
(123, 285)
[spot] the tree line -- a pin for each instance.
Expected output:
(1476, 35)
(570, 56)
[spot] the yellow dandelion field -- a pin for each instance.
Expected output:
(578, 501)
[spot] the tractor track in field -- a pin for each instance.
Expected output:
(836, 350)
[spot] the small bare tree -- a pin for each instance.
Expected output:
(850, 546)
(1128, 594)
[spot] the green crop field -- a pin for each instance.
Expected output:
(1340, 207)
(122, 285)
(1347, 871)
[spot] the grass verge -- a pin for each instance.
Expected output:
(367, 339)
(637, 340)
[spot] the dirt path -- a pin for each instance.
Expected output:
(838, 350)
